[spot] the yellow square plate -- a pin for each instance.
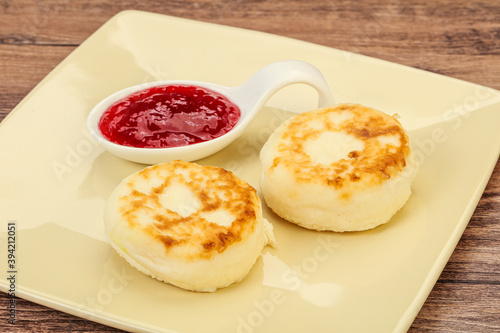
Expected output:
(55, 180)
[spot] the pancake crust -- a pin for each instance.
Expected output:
(197, 227)
(325, 168)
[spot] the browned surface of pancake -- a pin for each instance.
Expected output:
(374, 164)
(214, 187)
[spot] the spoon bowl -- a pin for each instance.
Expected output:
(249, 97)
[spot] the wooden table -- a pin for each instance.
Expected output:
(455, 38)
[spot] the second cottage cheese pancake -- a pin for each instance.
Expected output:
(197, 227)
(343, 168)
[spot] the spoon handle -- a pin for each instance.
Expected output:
(268, 80)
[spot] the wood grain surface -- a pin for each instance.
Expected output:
(456, 38)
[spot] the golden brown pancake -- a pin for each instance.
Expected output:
(342, 168)
(197, 227)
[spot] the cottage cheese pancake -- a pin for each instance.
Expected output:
(342, 168)
(197, 227)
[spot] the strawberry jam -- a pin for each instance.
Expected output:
(169, 116)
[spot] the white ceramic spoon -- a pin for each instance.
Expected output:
(249, 97)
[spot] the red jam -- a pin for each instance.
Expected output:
(168, 116)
